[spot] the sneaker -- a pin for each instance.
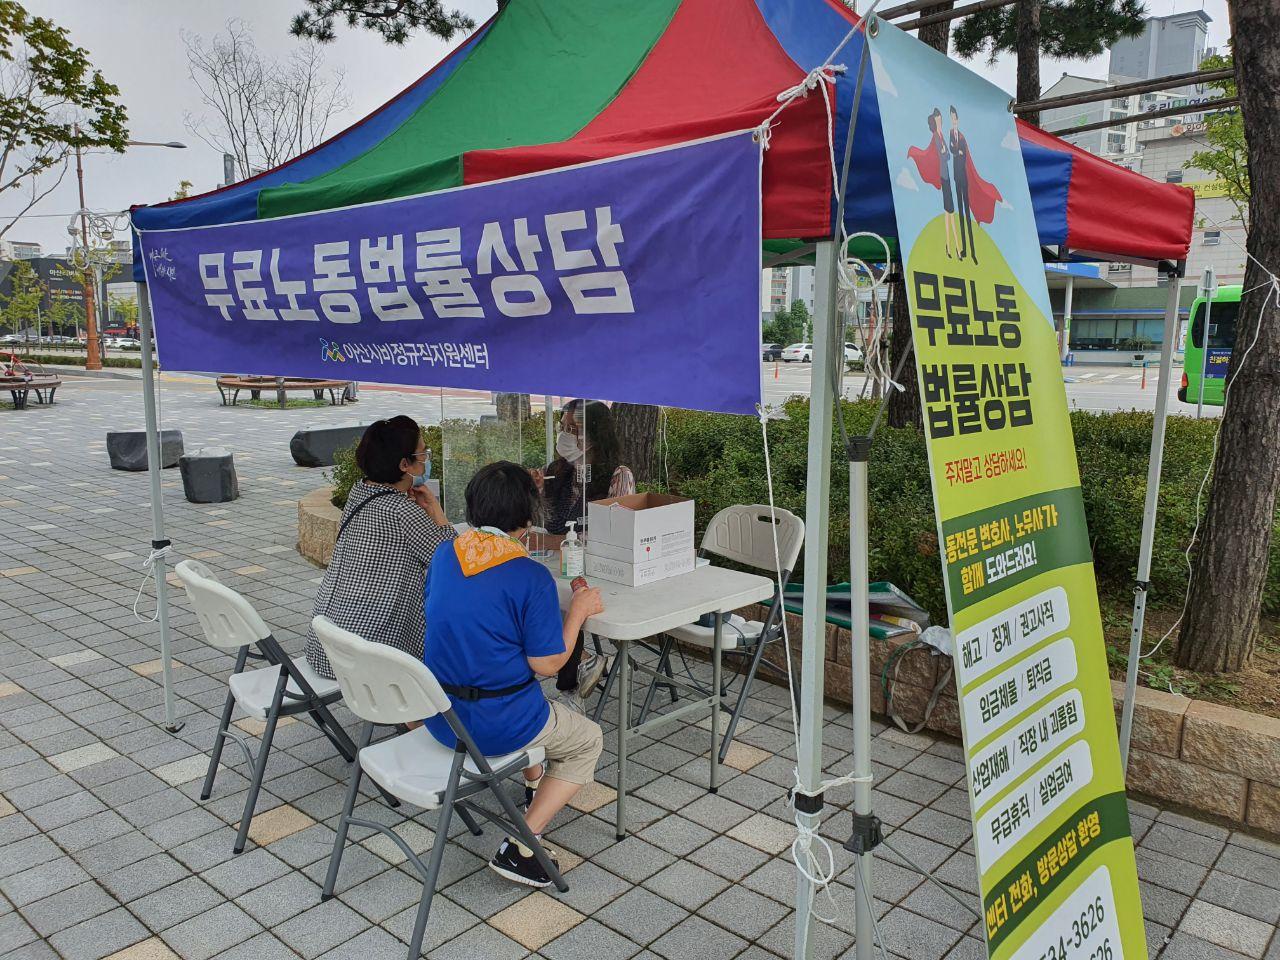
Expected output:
(512, 861)
(590, 671)
(573, 700)
(530, 788)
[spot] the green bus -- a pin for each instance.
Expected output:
(1223, 312)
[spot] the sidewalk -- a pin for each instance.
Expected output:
(107, 851)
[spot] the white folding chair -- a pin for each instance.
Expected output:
(385, 686)
(742, 534)
(283, 688)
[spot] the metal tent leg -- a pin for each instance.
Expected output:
(866, 829)
(158, 540)
(817, 508)
(1154, 463)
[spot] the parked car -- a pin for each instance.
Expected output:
(852, 353)
(802, 352)
(770, 351)
(128, 343)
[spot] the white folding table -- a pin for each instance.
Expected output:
(637, 613)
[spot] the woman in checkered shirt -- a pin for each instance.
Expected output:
(389, 531)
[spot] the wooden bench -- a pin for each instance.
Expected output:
(230, 386)
(22, 378)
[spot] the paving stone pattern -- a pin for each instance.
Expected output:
(106, 850)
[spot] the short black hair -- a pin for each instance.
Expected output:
(954, 112)
(502, 495)
(384, 444)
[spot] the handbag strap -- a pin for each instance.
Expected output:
(360, 506)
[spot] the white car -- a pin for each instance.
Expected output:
(802, 352)
(852, 353)
(128, 343)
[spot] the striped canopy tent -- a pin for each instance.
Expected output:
(549, 83)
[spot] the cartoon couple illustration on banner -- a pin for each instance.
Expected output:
(947, 164)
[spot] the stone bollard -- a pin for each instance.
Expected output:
(209, 476)
(127, 449)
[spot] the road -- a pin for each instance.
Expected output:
(1088, 388)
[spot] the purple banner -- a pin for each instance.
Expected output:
(635, 279)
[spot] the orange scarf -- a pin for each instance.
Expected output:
(479, 550)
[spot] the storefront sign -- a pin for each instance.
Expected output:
(632, 279)
(1051, 826)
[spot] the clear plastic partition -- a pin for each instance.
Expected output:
(477, 428)
(568, 444)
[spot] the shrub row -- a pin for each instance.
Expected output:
(78, 360)
(718, 460)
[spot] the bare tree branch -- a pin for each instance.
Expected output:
(261, 111)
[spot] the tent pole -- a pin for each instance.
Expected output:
(158, 541)
(814, 632)
(1154, 463)
(549, 414)
(865, 825)
(1065, 347)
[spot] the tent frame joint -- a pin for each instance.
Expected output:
(867, 834)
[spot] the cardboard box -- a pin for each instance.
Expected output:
(638, 574)
(640, 528)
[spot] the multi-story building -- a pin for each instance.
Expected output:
(1124, 307)
(782, 286)
(1168, 45)
(20, 250)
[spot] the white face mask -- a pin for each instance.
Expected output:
(567, 446)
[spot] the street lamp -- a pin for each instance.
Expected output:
(93, 359)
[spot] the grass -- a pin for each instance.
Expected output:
(292, 403)
(1255, 689)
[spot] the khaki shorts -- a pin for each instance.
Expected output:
(572, 744)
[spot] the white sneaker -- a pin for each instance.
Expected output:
(573, 700)
(590, 671)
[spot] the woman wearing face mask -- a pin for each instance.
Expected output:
(586, 468)
(388, 533)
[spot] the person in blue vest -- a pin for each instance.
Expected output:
(494, 628)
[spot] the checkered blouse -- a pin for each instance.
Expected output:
(373, 586)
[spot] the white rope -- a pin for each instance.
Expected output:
(812, 853)
(148, 572)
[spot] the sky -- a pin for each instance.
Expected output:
(138, 46)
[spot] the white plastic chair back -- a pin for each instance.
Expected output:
(379, 683)
(228, 619)
(744, 533)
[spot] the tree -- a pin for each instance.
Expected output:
(1062, 29)
(1228, 158)
(802, 321)
(261, 111)
(65, 316)
(123, 312)
(636, 425)
(1225, 599)
(183, 191)
(20, 308)
(51, 101)
(394, 20)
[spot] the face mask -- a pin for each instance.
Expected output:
(420, 480)
(567, 446)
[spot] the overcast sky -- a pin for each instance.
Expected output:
(137, 46)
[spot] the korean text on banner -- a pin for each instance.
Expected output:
(1051, 827)
(633, 279)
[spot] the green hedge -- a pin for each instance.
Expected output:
(78, 360)
(718, 461)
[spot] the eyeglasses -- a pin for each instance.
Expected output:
(424, 456)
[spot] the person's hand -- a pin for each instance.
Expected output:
(586, 603)
(424, 498)
(538, 478)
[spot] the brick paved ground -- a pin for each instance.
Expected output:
(105, 849)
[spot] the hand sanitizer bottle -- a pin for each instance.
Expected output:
(571, 553)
